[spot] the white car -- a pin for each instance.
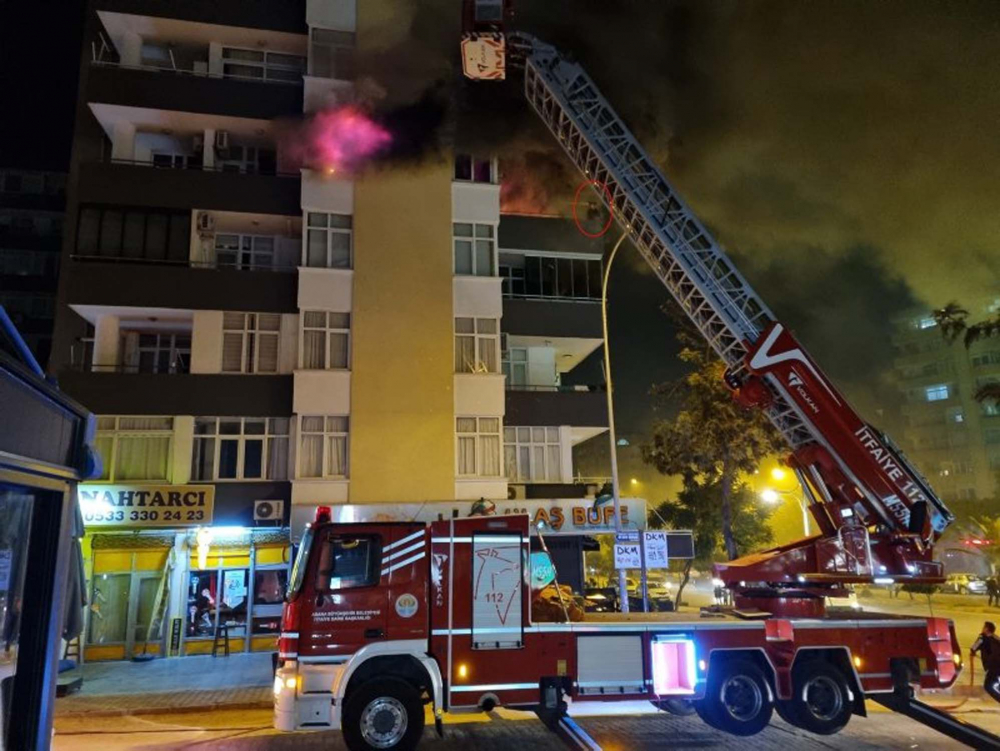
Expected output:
(965, 584)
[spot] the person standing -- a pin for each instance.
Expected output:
(988, 646)
(993, 591)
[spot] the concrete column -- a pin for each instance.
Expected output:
(123, 141)
(130, 48)
(183, 446)
(208, 154)
(206, 342)
(215, 58)
(106, 342)
(566, 449)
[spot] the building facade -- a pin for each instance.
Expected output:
(951, 437)
(258, 337)
(32, 203)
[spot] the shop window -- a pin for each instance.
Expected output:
(240, 448)
(135, 448)
(268, 598)
(214, 598)
(346, 563)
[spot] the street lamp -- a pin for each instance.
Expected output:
(769, 495)
(772, 496)
(622, 588)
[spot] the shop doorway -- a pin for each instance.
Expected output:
(118, 617)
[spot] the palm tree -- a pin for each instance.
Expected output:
(952, 320)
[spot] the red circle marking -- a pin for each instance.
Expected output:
(611, 209)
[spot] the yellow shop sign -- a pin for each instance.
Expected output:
(146, 505)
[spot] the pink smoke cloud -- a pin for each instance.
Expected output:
(336, 140)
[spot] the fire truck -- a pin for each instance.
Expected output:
(385, 618)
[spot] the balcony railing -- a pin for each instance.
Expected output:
(284, 268)
(557, 388)
(194, 166)
(196, 74)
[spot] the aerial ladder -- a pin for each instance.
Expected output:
(877, 516)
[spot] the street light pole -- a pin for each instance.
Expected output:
(622, 588)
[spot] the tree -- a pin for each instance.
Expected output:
(712, 441)
(953, 322)
(698, 507)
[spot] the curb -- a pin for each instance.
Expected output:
(136, 711)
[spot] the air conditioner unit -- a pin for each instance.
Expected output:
(222, 140)
(268, 511)
(206, 222)
(199, 142)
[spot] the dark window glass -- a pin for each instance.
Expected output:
(111, 233)
(533, 275)
(253, 459)
(135, 228)
(594, 275)
(548, 276)
(463, 167)
(202, 603)
(347, 562)
(564, 279)
(87, 230)
(228, 456)
(180, 237)
(580, 278)
(156, 237)
(483, 171)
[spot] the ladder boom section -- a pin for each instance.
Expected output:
(859, 477)
(677, 247)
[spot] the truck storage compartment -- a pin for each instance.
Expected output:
(610, 665)
(673, 665)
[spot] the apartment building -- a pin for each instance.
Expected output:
(951, 437)
(32, 203)
(259, 338)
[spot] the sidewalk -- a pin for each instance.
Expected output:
(184, 684)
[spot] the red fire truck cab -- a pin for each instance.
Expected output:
(382, 619)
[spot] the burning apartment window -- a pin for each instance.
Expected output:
(478, 446)
(477, 342)
(326, 337)
(240, 448)
(250, 342)
(331, 54)
(475, 249)
(328, 240)
(323, 446)
(469, 168)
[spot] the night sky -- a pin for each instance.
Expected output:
(845, 153)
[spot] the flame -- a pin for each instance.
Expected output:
(338, 139)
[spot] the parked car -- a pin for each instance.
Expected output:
(965, 584)
(600, 600)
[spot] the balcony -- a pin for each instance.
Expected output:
(132, 183)
(112, 393)
(287, 15)
(183, 91)
(150, 284)
(552, 317)
(556, 405)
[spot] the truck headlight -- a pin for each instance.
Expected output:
(278, 683)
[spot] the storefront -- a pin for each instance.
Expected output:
(44, 450)
(165, 578)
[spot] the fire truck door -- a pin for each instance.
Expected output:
(405, 561)
(350, 602)
(498, 591)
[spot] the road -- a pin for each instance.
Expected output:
(250, 730)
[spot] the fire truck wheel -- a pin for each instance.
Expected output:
(822, 701)
(737, 699)
(381, 714)
(679, 707)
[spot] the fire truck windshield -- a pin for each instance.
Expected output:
(301, 564)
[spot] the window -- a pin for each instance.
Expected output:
(208, 602)
(250, 342)
(489, 11)
(475, 249)
(927, 322)
(325, 340)
(156, 353)
(262, 64)
(245, 252)
(331, 54)
(135, 448)
(515, 366)
(347, 562)
(477, 343)
(240, 448)
(936, 393)
(328, 240)
(478, 446)
(247, 160)
(135, 234)
(323, 443)
(532, 454)
(527, 275)
(987, 358)
(473, 169)
(991, 409)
